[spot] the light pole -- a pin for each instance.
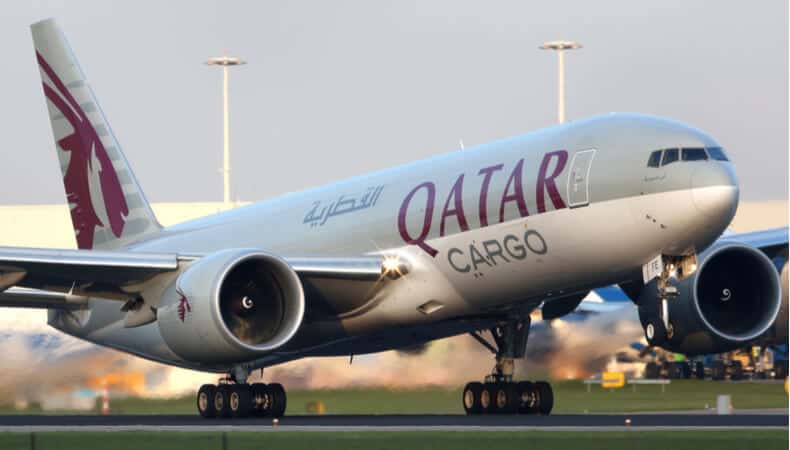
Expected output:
(225, 62)
(560, 47)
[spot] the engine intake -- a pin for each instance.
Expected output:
(232, 305)
(737, 293)
(732, 299)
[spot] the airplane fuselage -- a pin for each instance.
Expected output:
(486, 230)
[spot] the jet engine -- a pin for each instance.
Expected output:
(731, 300)
(777, 334)
(230, 306)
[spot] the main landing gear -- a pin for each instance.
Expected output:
(231, 398)
(499, 394)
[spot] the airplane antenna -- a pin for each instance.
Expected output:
(461, 141)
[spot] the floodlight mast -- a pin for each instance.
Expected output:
(225, 62)
(560, 47)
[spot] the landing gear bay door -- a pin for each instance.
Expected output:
(578, 180)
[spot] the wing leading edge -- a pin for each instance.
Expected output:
(771, 241)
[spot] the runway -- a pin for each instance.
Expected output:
(567, 422)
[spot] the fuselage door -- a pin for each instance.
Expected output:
(578, 179)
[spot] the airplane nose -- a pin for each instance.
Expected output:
(715, 192)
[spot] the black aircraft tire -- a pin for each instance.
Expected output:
(205, 401)
(222, 400)
(655, 332)
(260, 399)
(513, 398)
(471, 398)
(525, 392)
(546, 395)
(488, 398)
(278, 400)
(240, 400)
(504, 398)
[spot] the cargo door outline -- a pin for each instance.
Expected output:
(579, 178)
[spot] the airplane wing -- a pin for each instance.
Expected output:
(42, 278)
(604, 300)
(42, 268)
(771, 241)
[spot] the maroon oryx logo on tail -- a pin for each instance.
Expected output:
(87, 152)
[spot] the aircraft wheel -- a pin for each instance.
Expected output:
(260, 399)
(513, 398)
(527, 400)
(471, 398)
(505, 398)
(545, 397)
(240, 400)
(222, 400)
(278, 399)
(205, 401)
(655, 332)
(488, 398)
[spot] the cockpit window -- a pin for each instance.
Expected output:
(670, 156)
(694, 154)
(655, 159)
(717, 153)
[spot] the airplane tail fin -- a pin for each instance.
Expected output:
(108, 207)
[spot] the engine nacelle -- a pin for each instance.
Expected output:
(777, 334)
(230, 306)
(732, 299)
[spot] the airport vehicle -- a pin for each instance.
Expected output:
(466, 242)
(748, 363)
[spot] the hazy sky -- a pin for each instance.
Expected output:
(338, 88)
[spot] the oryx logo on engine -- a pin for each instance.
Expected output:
(183, 305)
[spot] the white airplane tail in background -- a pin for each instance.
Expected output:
(108, 208)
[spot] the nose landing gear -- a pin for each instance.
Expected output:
(499, 393)
(657, 325)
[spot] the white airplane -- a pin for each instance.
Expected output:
(471, 241)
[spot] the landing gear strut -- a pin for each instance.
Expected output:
(499, 394)
(233, 397)
(657, 323)
(658, 326)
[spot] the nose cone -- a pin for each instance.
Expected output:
(715, 192)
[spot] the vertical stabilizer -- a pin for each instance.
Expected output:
(108, 208)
